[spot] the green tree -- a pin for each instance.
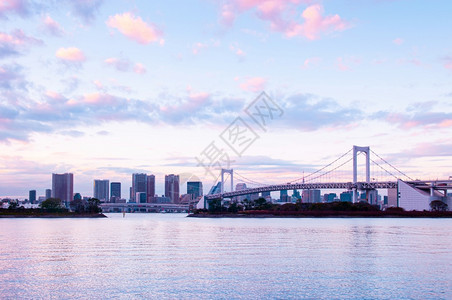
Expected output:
(77, 205)
(52, 205)
(93, 206)
(13, 205)
(438, 205)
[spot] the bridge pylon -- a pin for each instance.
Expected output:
(356, 151)
(231, 173)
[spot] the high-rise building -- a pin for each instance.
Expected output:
(311, 196)
(194, 188)
(115, 191)
(63, 187)
(77, 196)
(48, 193)
(150, 188)
(138, 185)
(140, 197)
(32, 196)
(172, 187)
(239, 187)
(283, 196)
(101, 189)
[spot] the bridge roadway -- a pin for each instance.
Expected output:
(308, 186)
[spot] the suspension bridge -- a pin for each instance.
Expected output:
(338, 174)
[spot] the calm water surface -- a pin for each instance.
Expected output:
(168, 256)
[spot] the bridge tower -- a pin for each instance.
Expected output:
(230, 172)
(356, 151)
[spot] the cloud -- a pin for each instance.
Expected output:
(13, 6)
(310, 25)
(238, 52)
(310, 61)
(255, 84)
(448, 62)
(197, 47)
(139, 68)
(423, 118)
(11, 79)
(307, 112)
(125, 65)
(52, 27)
(135, 28)
(398, 41)
(70, 54)
(15, 42)
(86, 9)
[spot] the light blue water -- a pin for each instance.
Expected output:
(168, 256)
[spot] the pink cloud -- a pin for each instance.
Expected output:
(314, 23)
(274, 11)
(238, 52)
(122, 65)
(135, 28)
(398, 41)
(445, 123)
(70, 54)
(197, 47)
(139, 68)
(255, 84)
(448, 63)
(15, 41)
(310, 61)
(17, 6)
(52, 27)
(341, 66)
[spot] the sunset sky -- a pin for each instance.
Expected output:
(104, 89)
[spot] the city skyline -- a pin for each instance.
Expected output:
(105, 90)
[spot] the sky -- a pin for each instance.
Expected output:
(104, 89)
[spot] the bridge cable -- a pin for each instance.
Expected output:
(304, 177)
(391, 166)
(249, 180)
(334, 169)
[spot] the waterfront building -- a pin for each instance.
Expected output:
(172, 187)
(194, 188)
(296, 194)
(141, 197)
(150, 188)
(115, 191)
(283, 196)
(63, 187)
(240, 187)
(101, 189)
(331, 197)
(346, 196)
(48, 194)
(311, 196)
(32, 196)
(77, 196)
(216, 189)
(139, 182)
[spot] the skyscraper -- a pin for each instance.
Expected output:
(194, 188)
(138, 184)
(115, 190)
(172, 187)
(101, 189)
(32, 196)
(48, 193)
(150, 188)
(63, 187)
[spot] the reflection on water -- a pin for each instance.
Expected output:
(170, 256)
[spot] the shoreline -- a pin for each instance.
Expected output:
(51, 215)
(326, 214)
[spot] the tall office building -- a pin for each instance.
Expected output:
(194, 188)
(101, 189)
(172, 187)
(32, 196)
(63, 187)
(150, 189)
(138, 185)
(240, 187)
(48, 193)
(115, 190)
